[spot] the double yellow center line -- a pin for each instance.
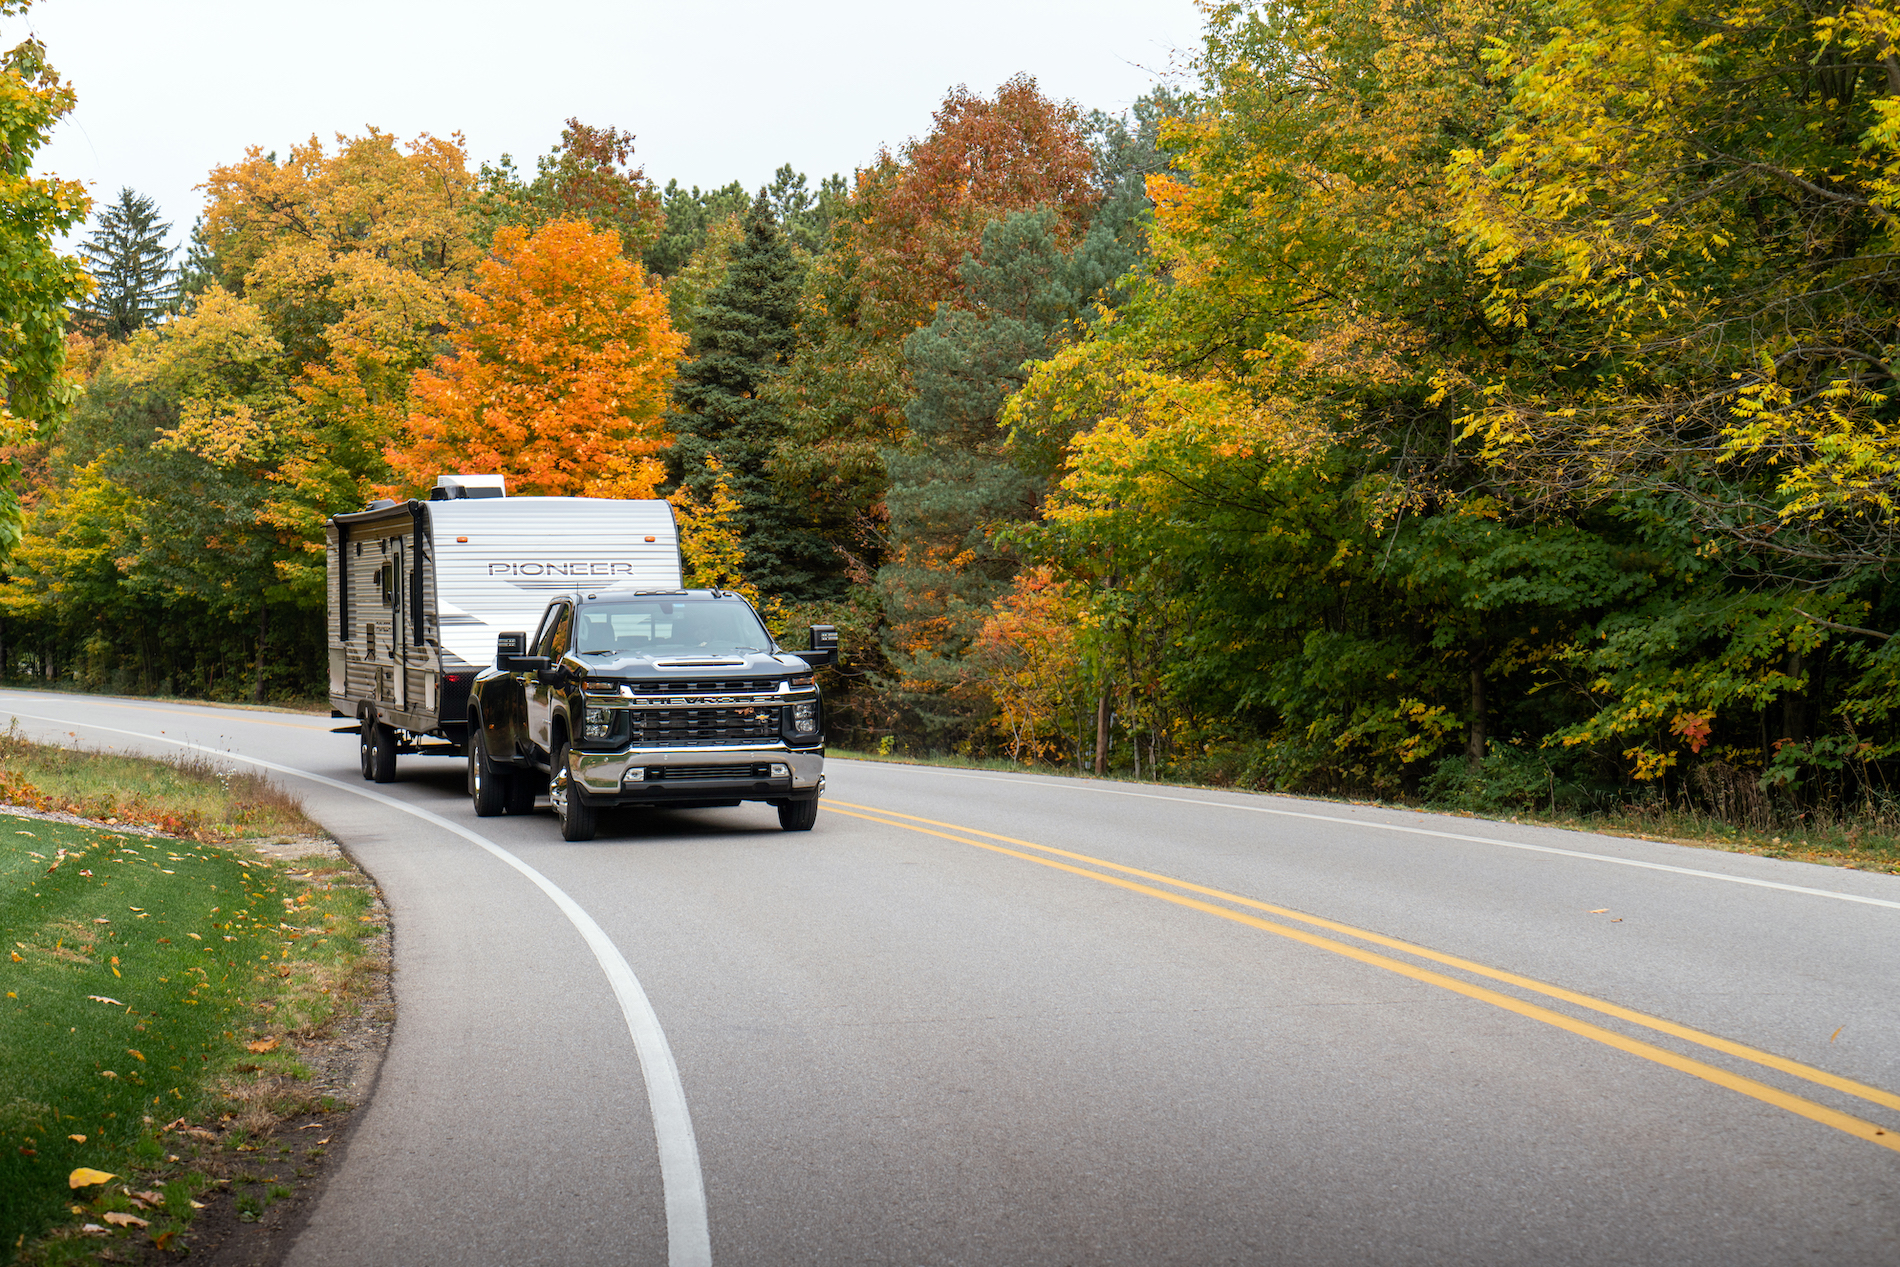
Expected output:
(1191, 896)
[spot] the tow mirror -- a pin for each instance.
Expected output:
(824, 647)
(508, 647)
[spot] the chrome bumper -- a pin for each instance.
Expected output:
(602, 775)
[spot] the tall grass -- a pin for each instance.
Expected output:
(194, 796)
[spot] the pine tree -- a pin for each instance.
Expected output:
(131, 267)
(743, 335)
(956, 480)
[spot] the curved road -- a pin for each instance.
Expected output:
(986, 1018)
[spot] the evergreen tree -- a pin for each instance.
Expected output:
(743, 335)
(804, 216)
(957, 480)
(131, 267)
(689, 216)
(201, 269)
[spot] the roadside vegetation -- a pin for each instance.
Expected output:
(1485, 403)
(194, 796)
(1867, 839)
(163, 998)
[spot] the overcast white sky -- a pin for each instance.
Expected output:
(713, 91)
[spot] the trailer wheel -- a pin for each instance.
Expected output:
(488, 787)
(578, 819)
(379, 752)
(798, 815)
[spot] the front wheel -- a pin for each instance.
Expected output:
(798, 815)
(487, 786)
(578, 819)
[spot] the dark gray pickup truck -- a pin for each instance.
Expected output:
(679, 699)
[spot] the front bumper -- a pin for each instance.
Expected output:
(736, 773)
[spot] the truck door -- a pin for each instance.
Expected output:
(552, 643)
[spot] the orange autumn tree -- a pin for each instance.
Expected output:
(558, 375)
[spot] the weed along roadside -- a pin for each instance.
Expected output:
(186, 1023)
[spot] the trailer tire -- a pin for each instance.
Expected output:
(489, 788)
(378, 744)
(578, 819)
(798, 815)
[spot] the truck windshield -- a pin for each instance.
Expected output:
(670, 626)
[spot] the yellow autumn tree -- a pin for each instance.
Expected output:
(558, 375)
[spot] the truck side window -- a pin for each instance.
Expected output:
(552, 640)
(563, 625)
(544, 634)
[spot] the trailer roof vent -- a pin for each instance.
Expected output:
(450, 487)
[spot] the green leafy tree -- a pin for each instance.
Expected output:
(744, 334)
(955, 484)
(891, 259)
(589, 175)
(131, 269)
(36, 282)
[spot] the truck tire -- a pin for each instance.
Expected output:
(376, 746)
(798, 815)
(488, 787)
(578, 819)
(521, 792)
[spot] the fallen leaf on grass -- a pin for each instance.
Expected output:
(100, 998)
(92, 1229)
(172, 1125)
(77, 1139)
(85, 1177)
(149, 1197)
(194, 936)
(262, 1045)
(118, 1219)
(163, 1240)
(198, 1132)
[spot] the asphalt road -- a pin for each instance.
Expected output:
(983, 1018)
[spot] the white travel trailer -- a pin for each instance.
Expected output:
(418, 591)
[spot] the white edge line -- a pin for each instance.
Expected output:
(688, 1237)
(1423, 831)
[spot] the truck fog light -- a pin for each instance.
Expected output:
(781, 771)
(805, 718)
(634, 775)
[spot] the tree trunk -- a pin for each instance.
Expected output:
(1101, 735)
(1794, 713)
(263, 630)
(1474, 733)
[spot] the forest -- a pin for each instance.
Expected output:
(1482, 402)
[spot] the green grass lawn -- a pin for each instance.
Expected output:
(139, 976)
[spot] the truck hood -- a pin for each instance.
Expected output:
(683, 669)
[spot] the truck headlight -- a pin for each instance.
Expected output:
(805, 718)
(597, 723)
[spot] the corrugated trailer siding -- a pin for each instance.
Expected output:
(371, 666)
(521, 551)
